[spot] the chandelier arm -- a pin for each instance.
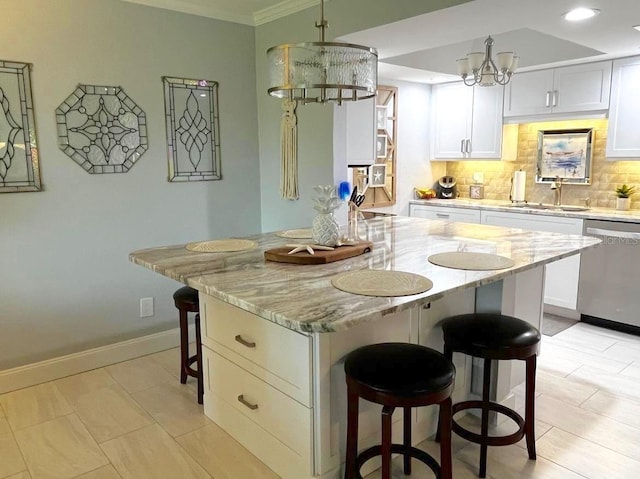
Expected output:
(469, 83)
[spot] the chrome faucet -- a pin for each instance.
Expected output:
(556, 186)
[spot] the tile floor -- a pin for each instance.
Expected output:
(134, 420)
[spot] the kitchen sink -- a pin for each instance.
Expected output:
(542, 206)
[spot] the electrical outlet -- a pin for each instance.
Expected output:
(146, 307)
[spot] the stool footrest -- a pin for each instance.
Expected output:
(415, 453)
(490, 440)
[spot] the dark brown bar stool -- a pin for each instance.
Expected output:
(398, 375)
(186, 300)
(495, 337)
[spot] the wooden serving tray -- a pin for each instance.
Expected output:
(281, 255)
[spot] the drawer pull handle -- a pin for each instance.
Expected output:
(442, 215)
(244, 342)
(244, 402)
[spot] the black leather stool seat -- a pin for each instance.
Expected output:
(491, 335)
(400, 369)
(398, 375)
(187, 301)
(187, 298)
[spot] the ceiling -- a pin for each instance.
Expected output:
(425, 48)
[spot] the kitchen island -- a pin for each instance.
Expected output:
(275, 334)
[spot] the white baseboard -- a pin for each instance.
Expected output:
(60, 367)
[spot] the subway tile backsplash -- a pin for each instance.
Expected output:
(605, 175)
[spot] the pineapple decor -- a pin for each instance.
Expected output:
(325, 229)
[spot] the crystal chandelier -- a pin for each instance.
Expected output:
(321, 72)
(479, 68)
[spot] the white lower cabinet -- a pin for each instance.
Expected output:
(561, 284)
(464, 215)
(561, 279)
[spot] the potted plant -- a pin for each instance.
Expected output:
(624, 192)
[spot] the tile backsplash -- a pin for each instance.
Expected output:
(605, 175)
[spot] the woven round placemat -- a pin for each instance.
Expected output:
(221, 246)
(471, 261)
(371, 282)
(304, 233)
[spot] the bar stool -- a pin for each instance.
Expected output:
(398, 375)
(495, 337)
(186, 300)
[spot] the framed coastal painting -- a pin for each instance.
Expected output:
(564, 154)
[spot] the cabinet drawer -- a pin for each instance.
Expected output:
(279, 415)
(277, 355)
(465, 215)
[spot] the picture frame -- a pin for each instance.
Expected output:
(565, 154)
(381, 117)
(377, 175)
(381, 146)
(192, 120)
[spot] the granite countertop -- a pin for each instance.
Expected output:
(301, 297)
(608, 214)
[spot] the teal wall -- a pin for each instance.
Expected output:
(66, 284)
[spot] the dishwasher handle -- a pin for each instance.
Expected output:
(613, 233)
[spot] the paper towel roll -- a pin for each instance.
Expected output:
(519, 182)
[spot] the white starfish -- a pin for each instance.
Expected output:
(297, 248)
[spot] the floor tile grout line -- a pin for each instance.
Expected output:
(175, 439)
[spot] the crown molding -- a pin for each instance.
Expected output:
(282, 9)
(184, 6)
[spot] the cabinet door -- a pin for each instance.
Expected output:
(450, 120)
(354, 132)
(581, 87)
(529, 93)
(464, 215)
(561, 278)
(486, 122)
(623, 137)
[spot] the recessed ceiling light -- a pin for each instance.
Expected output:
(580, 13)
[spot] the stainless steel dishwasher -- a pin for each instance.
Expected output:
(609, 287)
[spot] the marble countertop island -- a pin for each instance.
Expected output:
(302, 298)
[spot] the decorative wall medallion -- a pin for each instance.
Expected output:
(102, 129)
(193, 130)
(19, 165)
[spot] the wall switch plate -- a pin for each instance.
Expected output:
(146, 307)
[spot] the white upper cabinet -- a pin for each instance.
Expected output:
(623, 136)
(573, 89)
(354, 132)
(467, 122)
